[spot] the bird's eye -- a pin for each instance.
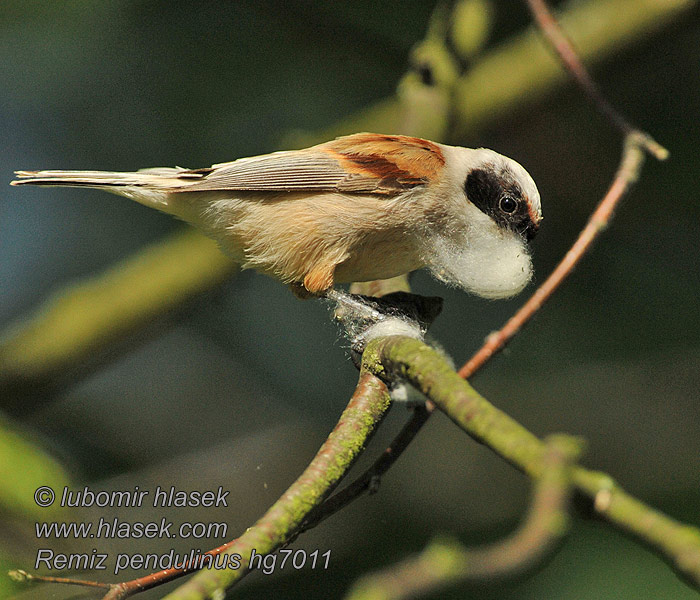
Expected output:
(508, 204)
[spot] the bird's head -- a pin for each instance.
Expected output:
(492, 211)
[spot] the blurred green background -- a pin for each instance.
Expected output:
(240, 387)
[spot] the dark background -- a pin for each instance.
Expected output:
(242, 387)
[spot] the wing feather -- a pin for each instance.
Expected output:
(359, 163)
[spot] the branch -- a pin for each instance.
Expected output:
(425, 369)
(280, 524)
(21, 576)
(447, 562)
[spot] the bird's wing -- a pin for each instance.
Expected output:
(359, 163)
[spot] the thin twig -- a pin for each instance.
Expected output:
(628, 172)
(562, 45)
(21, 576)
(125, 589)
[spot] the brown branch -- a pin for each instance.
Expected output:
(21, 576)
(125, 589)
(675, 540)
(627, 173)
(446, 562)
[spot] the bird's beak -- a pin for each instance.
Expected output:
(531, 231)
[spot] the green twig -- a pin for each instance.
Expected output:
(446, 562)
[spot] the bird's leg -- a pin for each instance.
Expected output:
(320, 278)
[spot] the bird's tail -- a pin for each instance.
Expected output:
(160, 178)
(148, 186)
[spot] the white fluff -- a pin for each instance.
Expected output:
(492, 264)
(393, 326)
(400, 391)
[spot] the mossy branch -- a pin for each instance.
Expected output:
(283, 521)
(428, 371)
(279, 524)
(546, 462)
(445, 562)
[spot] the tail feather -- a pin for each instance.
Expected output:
(150, 187)
(161, 178)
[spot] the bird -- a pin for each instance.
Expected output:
(361, 207)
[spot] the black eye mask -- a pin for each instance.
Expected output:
(500, 197)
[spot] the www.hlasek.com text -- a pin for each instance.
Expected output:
(115, 528)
